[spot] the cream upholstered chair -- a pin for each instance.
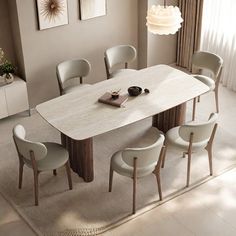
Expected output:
(138, 162)
(117, 55)
(213, 64)
(40, 157)
(193, 137)
(68, 71)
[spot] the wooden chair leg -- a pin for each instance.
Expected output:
(163, 161)
(54, 172)
(159, 185)
(21, 166)
(209, 148)
(36, 187)
(67, 165)
(134, 185)
(164, 156)
(194, 108)
(188, 168)
(134, 195)
(210, 160)
(36, 175)
(110, 179)
(217, 100)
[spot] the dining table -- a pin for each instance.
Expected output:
(79, 116)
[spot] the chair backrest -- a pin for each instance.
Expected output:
(25, 146)
(146, 156)
(201, 131)
(72, 69)
(120, 54)
(209, 61)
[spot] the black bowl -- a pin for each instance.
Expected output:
(134, 90)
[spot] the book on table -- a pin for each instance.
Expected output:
(118, 102)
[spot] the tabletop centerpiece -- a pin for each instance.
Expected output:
(114, 98)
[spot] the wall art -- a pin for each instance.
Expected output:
(52, 13)
(92, 8)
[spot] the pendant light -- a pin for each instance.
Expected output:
(163, 20)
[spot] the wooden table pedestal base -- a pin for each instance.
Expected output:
(81, 156)
(170, 118)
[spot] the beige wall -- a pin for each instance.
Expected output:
(43, 50)
(6, 42)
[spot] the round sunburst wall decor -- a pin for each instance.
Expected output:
(52, 9)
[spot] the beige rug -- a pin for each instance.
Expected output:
(89, 209)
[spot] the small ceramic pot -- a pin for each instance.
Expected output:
(114, 95)
(9, 78)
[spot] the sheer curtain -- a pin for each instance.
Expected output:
(219, 36)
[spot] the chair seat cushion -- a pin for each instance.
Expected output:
(122, 72)
(173, 138)
(57, 156)
(74, 88)
(206, 80)
(119, 166)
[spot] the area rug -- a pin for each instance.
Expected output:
(89, 209)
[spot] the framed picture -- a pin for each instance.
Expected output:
(92, 8)
(52, 13)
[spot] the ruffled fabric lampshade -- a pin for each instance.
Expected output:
(163, 20)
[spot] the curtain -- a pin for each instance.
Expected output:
(190, 32)
(219, 36)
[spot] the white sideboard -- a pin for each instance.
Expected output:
(13, 97)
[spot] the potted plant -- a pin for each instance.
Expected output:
(6, 68)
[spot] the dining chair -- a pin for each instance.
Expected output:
(117, 55)
(141, 160)
(68, 73)
(39, 157)
(213, 64)
(191, 138)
